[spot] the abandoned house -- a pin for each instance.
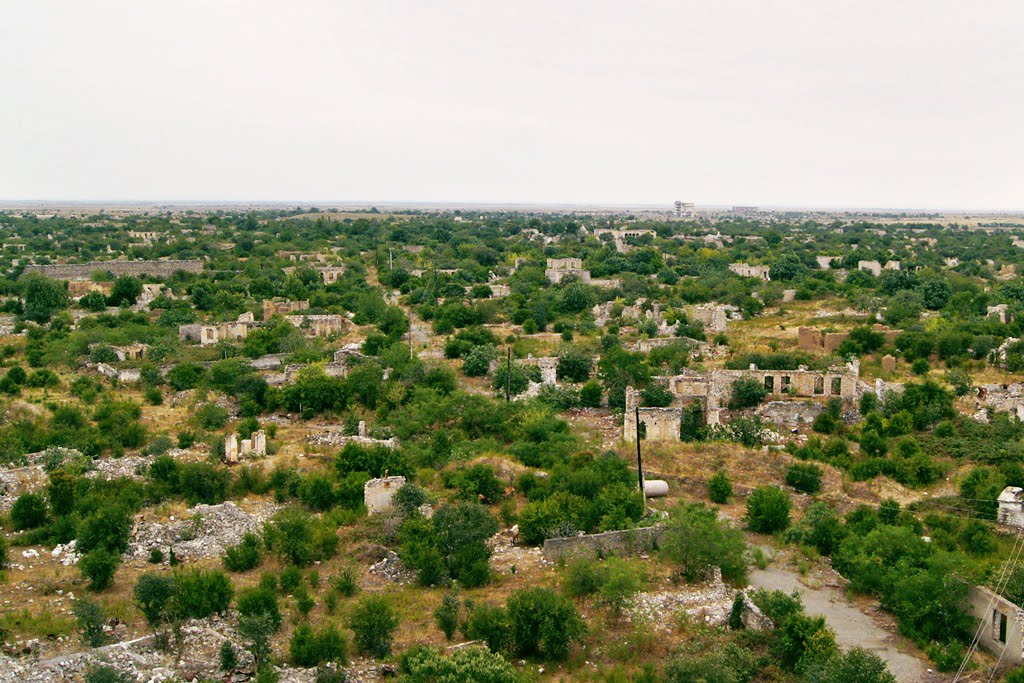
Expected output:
(713, 388)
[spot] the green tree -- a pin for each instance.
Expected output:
(768, 509)
(309, 647)
(374, 622)
(43, 297)
(99, 566)
(28, 511)
(696, 541)
(447, 614)
(154, 595)
(90, 618)
(125, 291)
(574, 364)
(855, 665)
(719, 488)
(747, 392)
(543, 624)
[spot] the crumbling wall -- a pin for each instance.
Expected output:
(82, 271)
(624, 542)
(659, 424)
(377, 493)
(1001, 621)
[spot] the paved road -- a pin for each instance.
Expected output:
(853, 628)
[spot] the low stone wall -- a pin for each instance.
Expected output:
(624, 542)
(82, 271)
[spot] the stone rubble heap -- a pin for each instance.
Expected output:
(201, 641)
(205, 532)
(710, 602)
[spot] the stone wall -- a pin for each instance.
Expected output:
(377, 493)
(659, 424)
(1000, 624)
(625, 542)
(82, 271)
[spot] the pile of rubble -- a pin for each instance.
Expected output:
(391, 568)
(509, 558)
(710, 602)
(206, 532)
(197, 659)
(337, 437)
(130, 466)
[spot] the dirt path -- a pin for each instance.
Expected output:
(853, 628)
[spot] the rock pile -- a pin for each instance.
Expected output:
(710, 602)
(391, 568)
(206, 532)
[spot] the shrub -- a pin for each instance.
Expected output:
(590, 394)
(291, 577)
(408, 498)
(300, 538)
(309, 648)
(245, 555)
(768, 509)
(28, 511)
(488, 623)
(202, 482)
(820, 527)
(477, 482)
(720, 488)
(739, 606)
(574, 365)
(108, 528)
(154, 595)
(695, 540)
(855, 665)
(450, 545)
(260, 602)
(90, 618)
(99, 566)
(107, 674)
(202, 593)
(228, 657)
(621, 582)
(582, 577)
(424, 664)
(747, 392)
(447, 614)
(374, 623)
(803, 641)
(346, 583)
(804, 477)
(542, 623)
(477, 362)
(729, 664)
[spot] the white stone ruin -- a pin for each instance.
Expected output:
(1011, 511)
(255, 445)
(377, 493)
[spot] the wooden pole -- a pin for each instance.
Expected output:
(508, 377)
(639, 459)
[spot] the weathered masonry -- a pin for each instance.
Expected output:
(1001, 622)
(82, 271)
(713, 389)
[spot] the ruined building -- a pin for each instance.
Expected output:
(746, 270)
(272, 307)
(712, 390)
(560, 268)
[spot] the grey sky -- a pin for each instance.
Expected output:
(835, 103)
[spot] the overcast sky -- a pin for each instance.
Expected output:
(813, 103)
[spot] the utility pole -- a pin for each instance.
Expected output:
(639, 459)
(508, 377)
(409, 313)
(391, 258)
